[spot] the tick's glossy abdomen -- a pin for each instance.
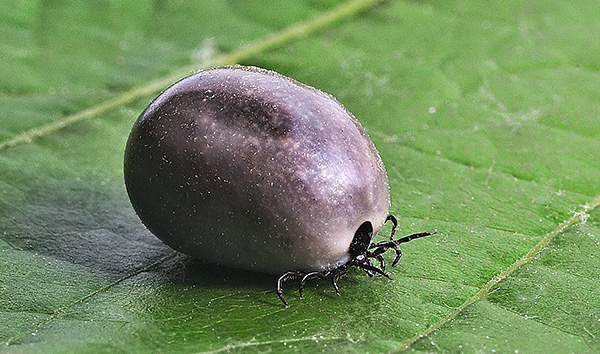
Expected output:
(250, 169)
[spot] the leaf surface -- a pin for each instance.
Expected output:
(485, 115)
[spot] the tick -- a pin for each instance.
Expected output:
(253, 170)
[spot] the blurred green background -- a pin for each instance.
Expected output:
(486, 115)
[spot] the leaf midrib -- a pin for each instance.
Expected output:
(294, 31)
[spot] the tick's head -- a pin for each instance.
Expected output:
(362, 240)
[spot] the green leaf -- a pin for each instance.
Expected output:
(486, 116)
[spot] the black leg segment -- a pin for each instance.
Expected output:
(394, 221)
(280, 282)
(303, 281)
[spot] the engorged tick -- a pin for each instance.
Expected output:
(250, 169)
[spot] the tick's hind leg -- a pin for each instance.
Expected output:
(282, 279)
(337, 274)
(305, 278)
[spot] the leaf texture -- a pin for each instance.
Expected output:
(486, 116)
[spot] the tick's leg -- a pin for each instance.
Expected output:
(398, 254)
(369, 272)
(394, 244)
(380, 244)
(377, 255)
(305, 278)
(413, 236)
(394, 221)
(383, 246)
(373, 269)
(381, 261)
(280, 282)
(337, 274)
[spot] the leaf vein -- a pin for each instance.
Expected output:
(294, 31)
(230, 347)
(65, 308)
(526, 258)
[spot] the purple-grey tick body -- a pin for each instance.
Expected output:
(250, 169)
